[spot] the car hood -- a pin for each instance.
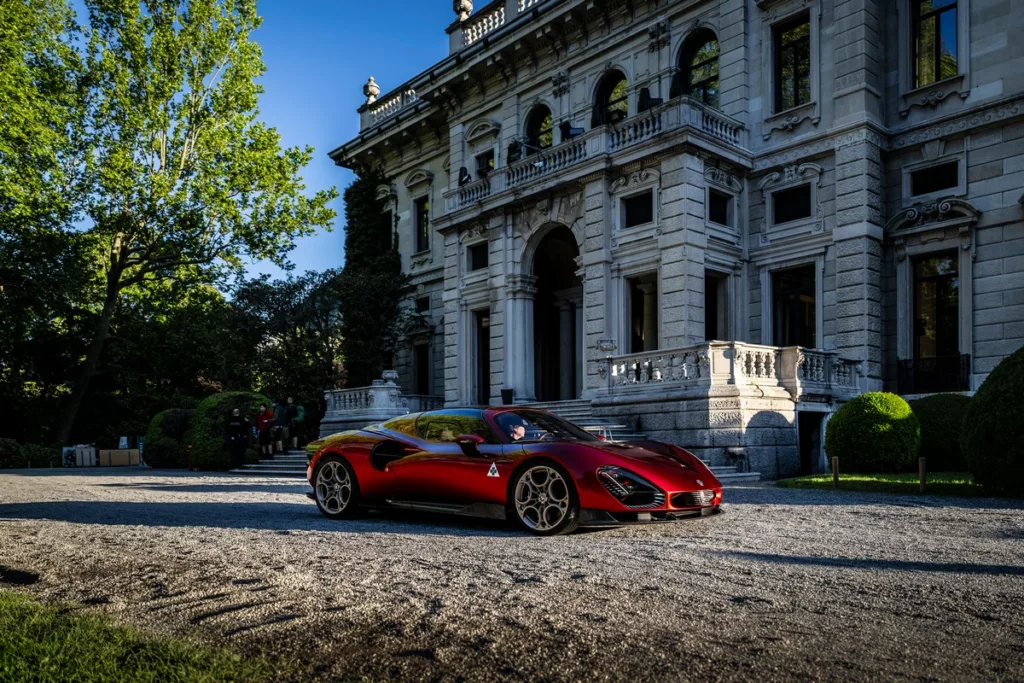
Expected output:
(666, 471)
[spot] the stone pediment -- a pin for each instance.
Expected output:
(419, 177)
(481, 129)
(933, 216)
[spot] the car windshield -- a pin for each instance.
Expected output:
(524, 426)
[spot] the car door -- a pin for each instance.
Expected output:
(443, 472)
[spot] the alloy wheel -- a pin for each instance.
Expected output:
(542, 498)
(333, 487)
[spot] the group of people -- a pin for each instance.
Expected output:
(273, 426)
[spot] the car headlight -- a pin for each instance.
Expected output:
(630, 489)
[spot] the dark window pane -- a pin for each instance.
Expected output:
(935, 179)
(639, 209)
(936, 306)
(447, 426)
(422, 224)
(947, 44)
(423, 304)
(791, 205)
(718, 207)
(794, 307)
(478, 256)
(421, 361)
(792, 55)
(485, 163)
(539, 129)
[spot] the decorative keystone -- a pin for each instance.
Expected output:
(371, 90)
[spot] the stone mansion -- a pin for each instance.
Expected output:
(712, 220)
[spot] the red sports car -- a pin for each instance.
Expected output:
(508, 463)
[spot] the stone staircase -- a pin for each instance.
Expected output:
(581, 413)
(289, 464)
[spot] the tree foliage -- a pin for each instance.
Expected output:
(371, 285)
(992, 437)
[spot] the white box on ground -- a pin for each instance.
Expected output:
(85, 456)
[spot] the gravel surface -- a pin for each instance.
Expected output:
(788, 584)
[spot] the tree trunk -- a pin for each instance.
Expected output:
(91, 364)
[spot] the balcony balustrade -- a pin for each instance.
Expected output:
(679, 113)
(799, 370)
(361, 406)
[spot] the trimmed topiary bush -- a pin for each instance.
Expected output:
(941, 417)
(992, 438)
(10, 455)
(207, 434)
(874, 432)
(40, 456)
(165, 444)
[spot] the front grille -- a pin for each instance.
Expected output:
(692, 499)
(645, 499)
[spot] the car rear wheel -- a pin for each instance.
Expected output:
(543, 499)
(336, 489)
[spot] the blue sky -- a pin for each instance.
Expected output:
(319, 54)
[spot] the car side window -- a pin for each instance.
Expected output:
(444, 428)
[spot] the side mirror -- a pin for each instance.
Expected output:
(469, 444)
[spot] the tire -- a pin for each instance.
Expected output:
(542, 498)
(335, 489)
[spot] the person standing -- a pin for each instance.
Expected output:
(279, 423)
(237, 436)
(296, 415)
(265, 428)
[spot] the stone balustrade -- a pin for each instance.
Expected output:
(386, 107)
(801, 371)
(679, 113)
(361, 406)
(486, 21)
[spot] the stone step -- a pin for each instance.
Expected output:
(270, 473)
(738, 477)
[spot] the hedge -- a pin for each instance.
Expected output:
(10, 455)
(41, 456)
(207, 435)
(165, 444)
(941, 417)
(992, 438)
(874, 433)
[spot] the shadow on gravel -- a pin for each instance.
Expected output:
(769, 494)
(898, 565)
(281, 517)
(299, 487)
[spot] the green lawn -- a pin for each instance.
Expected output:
(43, 643)
(939, 483)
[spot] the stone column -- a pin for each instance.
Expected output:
(519, 336)
(858, 238)
(580, 346)
(566, 357)
(650, 292)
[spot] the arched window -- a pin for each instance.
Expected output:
(699, 68)
(539, 129)
(612, 103)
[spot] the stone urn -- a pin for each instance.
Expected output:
(371, 90)
(463, 8)
(390, 376)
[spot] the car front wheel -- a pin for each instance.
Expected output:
(543, 499)
(336, 489)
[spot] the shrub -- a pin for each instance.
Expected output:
(165, 444)
(941, 417)
(41, 456)
(207, 434)
(10, 455)
(992, 438)
(874, 432)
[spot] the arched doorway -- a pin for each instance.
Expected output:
(557, 317)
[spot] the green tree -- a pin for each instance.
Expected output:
(183, 180)
(371, 285)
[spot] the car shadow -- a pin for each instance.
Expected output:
(767, 493)
(298, 488)
(283, 518)
(875, 565)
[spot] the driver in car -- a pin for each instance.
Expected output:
(516, 428)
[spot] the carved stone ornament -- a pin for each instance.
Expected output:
(560, 83)
(792, 174)
(463, 8)
(934, 215)
(607, 346)
(390, 376)
(371, 90)
(659, 35)
(722, 178)
(634, 179)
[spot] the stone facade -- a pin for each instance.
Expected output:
(836, 207)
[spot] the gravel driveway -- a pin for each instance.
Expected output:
(788, 584)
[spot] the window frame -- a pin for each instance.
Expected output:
(419, 230)
(626, 198)
(533, 137)
(603, 102)
(770, 209)
(789, 120)
(691, 48)
(933, 95)
(779, 49)
(469, 256)
(960, 190)
(917, 18)
(766, 278)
